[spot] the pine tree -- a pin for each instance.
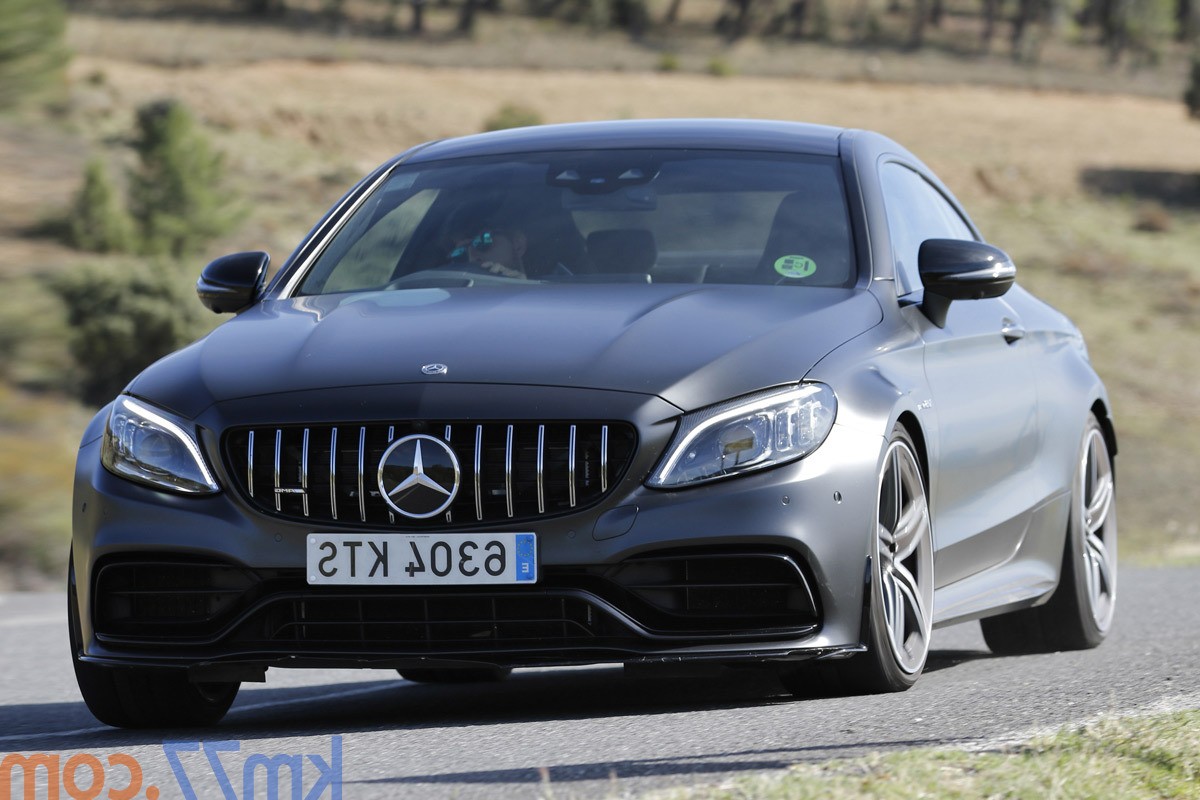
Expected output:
(176, 195)
(98, 222)
(123, 318)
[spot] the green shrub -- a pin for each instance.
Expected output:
(668, 62)
(122, 318)
(511, 115)
(176, 195)
(98, 222)
(719, 67)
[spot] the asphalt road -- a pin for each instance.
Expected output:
(588, 732)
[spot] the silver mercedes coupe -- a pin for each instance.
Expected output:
(748, 393)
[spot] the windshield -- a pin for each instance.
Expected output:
(615, 216)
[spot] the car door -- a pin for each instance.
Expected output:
(983, 399)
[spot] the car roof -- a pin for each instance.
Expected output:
(714, 134)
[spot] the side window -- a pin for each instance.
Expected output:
(916, 211)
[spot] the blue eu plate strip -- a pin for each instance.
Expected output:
(526, 562)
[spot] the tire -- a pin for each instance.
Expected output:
(449, 675)
(899, 606)
(140, 697)
(1079, 613)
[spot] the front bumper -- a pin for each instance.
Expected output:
(768, 566)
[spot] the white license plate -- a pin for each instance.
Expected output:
(421, 559)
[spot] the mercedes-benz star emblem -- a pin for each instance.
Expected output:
(435, 369)
(419, 476)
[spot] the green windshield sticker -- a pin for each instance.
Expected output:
(795, 266)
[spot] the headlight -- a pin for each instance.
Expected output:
(151, 447)
(755, 432)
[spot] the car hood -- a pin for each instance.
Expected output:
(690, 345)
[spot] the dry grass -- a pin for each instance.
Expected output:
(1115, 759)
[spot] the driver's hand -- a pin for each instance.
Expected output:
(501, 270)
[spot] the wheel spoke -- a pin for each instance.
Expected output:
(1101, 501)
(886, 538)
(896, 623)
(1098, 555)
(911, 592)
(888, 595)
(893, 608)
(910, 528)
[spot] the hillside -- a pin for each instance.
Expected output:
(1095, 194)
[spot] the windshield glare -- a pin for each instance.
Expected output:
(596, 217)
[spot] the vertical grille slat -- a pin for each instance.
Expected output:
(333, 474)
(541, 469)
(362, 454)
(304, 473)
(250, 463)
(478, 469)
(509, 471)
(571, 469)
(278, 456)
(604, 458)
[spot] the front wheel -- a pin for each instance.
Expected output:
(899, 607)
(1080, 612)
(142, 697)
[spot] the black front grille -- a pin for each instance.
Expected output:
(711, 591)
(150, 599)
(429, 622)
(676, 597)
(508, 471)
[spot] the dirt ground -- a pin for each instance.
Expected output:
(1018, 143)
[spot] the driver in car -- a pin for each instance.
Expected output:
(490, 245)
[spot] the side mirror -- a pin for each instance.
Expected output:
(233, 282)
(954, 269)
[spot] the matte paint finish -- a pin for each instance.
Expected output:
(692, 346)
(997, 424)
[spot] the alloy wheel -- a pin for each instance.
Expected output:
(905, 551)
(1096, 492)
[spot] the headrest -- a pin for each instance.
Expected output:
(623, 250)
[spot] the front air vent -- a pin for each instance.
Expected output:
(508, 472)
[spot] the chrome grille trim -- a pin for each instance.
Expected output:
(541, 469)
(571, 468)
(304, 472)
(332, 473)
(478, 468)
(362, 455)
(508, 453)
(250, 464)
(604, 459)
(278, 454)
(510, 470)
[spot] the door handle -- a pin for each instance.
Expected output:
(1012, 331)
